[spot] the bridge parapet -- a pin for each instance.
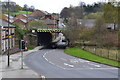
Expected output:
(50, 30)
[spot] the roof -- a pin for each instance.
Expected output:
(10, 20)
(37, 12)
(48, 17)
(20, 21)
(49, 21)
(24, 20)
(5, 24)
(21, 16)
(24, 15)
(9, 16)
(45, 12)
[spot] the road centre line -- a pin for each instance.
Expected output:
(68, 65)
(50, 61)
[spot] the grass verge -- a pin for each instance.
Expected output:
(30, 47)
(77, 52)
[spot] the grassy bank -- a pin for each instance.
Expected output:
(77, 52)
(20, 12)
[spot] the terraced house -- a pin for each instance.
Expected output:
(4, 36)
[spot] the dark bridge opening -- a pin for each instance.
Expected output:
(44, 38)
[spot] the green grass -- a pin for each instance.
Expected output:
(30, 47)
(77, 52)
(20, 12)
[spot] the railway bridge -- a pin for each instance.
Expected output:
(46, 36)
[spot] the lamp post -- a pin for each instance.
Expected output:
(8, 36)
(27, 21)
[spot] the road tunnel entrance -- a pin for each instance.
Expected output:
(44, 38)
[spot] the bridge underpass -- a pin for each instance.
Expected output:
(44, 36)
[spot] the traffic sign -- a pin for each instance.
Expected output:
(9, 36)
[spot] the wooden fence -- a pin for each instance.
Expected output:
(110, 54)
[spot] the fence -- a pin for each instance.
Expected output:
(110, 54)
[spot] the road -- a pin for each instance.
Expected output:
(54, 63)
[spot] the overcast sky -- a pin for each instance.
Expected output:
(52, 5)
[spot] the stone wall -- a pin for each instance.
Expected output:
(31, 39)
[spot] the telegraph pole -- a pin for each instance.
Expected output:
(8, 35)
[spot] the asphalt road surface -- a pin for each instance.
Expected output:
(54, 63)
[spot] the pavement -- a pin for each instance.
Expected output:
(15, 69)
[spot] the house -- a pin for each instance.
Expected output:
(112, 26)
(50, 20)
(21, 21)
(91, 23)
(5, 18)
(21, 16)
(37, 14)
(4, 36)
(48, 17)
(86, 22)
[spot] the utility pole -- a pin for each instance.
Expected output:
(8, 35)
(27, 21)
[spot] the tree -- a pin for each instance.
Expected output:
(81, 10)
(110, 13)
(93, 15)
(65, 13)
(19, 32)
(25, 7)
(32, 8)
(72, 34)
(13, 7)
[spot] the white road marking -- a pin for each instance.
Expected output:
(94, 65)
(81, 60)
(69, 65)
(63, 59)
(111, 68)
(50, 61)
(91, 68)
(74, 61)
(78, 60)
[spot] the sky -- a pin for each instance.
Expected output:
(52, 6)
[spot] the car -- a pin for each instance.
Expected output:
(60, 44)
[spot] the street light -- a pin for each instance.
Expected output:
(27, 20)
(8, 35)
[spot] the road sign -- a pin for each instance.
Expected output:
(9, 36)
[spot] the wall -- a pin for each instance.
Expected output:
(0, 41)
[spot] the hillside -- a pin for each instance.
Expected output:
(20, 12)
(16, 9)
